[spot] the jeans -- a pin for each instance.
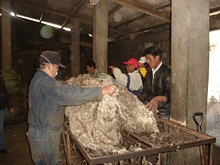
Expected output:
(44, 144)
(2, 143)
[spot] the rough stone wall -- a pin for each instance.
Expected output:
(123, 50)
(27, 44)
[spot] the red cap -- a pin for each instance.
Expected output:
(133, 62)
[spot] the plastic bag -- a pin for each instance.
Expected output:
(213, 121)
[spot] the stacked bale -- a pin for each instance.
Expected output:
(12, 82)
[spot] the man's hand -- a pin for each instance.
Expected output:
(108, 90)
(112, 67)
(152, 105)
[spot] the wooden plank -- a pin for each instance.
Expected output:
(143, 9)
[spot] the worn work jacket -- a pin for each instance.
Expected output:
(135, 79)
(160, 86)
(47, 98)
(4, 98)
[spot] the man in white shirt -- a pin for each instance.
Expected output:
(132, 80)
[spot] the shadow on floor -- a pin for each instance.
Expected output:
(19, 152)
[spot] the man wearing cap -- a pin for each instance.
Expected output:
(47, 98)
(132, 80)
(157, 86)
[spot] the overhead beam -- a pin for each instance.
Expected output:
(143, 9)
(118, 7)
(75, 12)
(139, 17)
(86, 44)
(86, 21)
(144, 30)
(214, 10)
(131, 20)
(151, 27)
(80, 7)
(43, 8)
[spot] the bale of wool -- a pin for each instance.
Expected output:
(98, 125)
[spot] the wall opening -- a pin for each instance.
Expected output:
(214, 66)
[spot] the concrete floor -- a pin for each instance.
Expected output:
(19, 152)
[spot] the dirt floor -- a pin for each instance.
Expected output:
(19, 152)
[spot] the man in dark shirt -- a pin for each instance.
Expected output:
(4, 103)
(157, 86)
(47, 98)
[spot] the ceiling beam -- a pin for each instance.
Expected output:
(76, 12)
(162, 25)
(143, 9)
(140, 17)
(43, 8)
(86, 44)
(214, 9)
(118, 7)
(80, 7)
(86, 21)
(131, 20)
(144, 30)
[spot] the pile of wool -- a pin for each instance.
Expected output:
(98, 125)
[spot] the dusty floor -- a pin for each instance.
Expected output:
(19, 152)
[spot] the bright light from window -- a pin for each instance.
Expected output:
(93, 2)
(37, 20)
(28, 18)
(214, 67)
(90, 35)
(214, 13)
(12, 14)
(67, 29)
(51, 24)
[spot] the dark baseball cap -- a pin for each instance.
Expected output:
(52, 57)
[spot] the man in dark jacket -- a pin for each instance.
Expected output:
(47, 98)
(157, 86)
(4, 103)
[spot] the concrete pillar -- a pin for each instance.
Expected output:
(6, 35)
(190, 66)
(100, 35)
(75, 46)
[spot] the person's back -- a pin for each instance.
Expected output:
(46, 100)
(4, 104)
(132, 79)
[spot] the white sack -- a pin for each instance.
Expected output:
(213, 121)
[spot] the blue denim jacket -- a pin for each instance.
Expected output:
(47, 98)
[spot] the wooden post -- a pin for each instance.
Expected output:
(100, 35)
(75, 46)
(6, 35)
